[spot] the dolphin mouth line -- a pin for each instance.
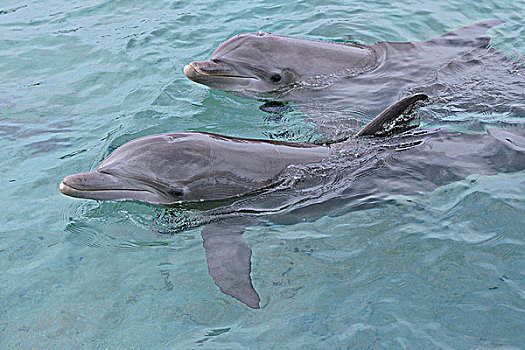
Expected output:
(228, 75)
(198, 71)
(64, 187)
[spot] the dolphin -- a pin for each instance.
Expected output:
(269, 63)
(200, 168)
(190, 166)
(194, 167)
(334, 75)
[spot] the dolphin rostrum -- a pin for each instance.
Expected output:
(194, 167)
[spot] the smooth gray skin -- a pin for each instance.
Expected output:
(190, 166)
(294, 69)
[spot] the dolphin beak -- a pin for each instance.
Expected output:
(101, 186)
(200, 70)
(208, 67)
(91, 181)
(190, 71)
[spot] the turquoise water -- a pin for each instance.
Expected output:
(442, 269)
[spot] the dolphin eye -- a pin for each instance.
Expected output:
(175, 192)
(275, 77)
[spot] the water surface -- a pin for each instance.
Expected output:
(440, 269)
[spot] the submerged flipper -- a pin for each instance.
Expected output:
(380, 122)
(229, 261)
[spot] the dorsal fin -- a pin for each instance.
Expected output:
(388, 115)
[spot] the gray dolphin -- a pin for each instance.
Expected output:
(190, 167)
(265, 63)
(302, 71)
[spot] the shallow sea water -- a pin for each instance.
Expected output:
(443, 269)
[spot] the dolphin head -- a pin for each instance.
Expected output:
(159, 169)
(182, 167)
(266, 63)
